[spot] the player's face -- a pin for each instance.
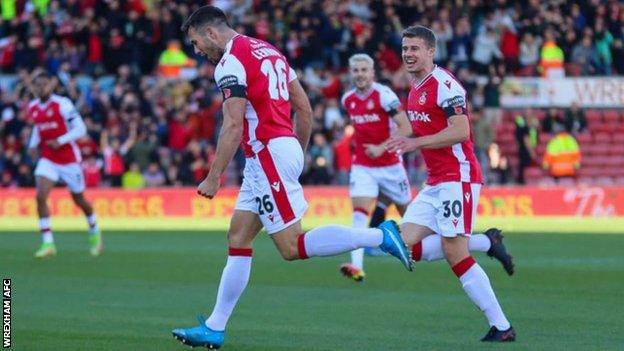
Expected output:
(205, 45)
(362, 74)
(42, 87)
(416, 54)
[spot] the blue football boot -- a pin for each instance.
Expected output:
(393, 243)
(200, 335)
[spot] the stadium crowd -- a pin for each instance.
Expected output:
(153, 112)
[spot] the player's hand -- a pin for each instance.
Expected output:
(54, 144)
(373, 151)
(208, 187)
(401, 144)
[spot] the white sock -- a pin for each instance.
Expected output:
(431, 247)
(477, 285)
(233, 282)
(92, 220)
(46, 231)
(331, 240)
(360, 220)
(479, 242)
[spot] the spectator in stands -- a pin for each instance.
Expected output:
(461, 44)
(491, 97)
(499, 166)
(618, 56)
(575, 121)
(444, 34)
(173, 60)
(114, 152)
(584, 54)
(483, 136)
(529, 53)
(551, 57)
(343, 155)
(153, 176)
(563, 156)
(322, 159)
(551, 121)
(485, 50)
(603, 41)
(132, 179)
(527, 139)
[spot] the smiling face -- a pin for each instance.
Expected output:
(205, 43)
(362, 74)
(417, 55)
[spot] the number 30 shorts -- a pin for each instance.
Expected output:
(449, 208)
(271, 187)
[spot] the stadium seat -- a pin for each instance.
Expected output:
(611, 116)
(593, 116)
(602, 137)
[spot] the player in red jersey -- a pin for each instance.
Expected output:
(259, 88)
(447, 206)
(375, 113)
(56, 127)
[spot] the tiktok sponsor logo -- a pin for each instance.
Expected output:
(6, 313)
(415, 116)
(590, 202)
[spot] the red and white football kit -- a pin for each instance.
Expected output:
(57, 119)
(257, 71)
(371, 115)
(448, 204)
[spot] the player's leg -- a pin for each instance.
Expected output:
(44, 186)
(477, 286)
(46, 175)
(244, 226)
(419, 224)
(281, 205)
(363, 189)
(455, 222)
(355, 269)
(74, 178)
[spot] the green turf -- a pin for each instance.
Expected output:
(566, 295)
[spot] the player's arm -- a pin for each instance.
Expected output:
(457, 130)
(233, 85)
(303, 112)
(77, 128)
(391, 104)
(229, 136)
(33, 142)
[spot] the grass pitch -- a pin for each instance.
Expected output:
(566, 295)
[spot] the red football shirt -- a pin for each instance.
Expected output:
(439, 96)
(265, 74)
(51, 120)
(373, 124)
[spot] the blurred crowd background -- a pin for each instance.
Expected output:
(153, 111)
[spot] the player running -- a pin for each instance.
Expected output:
(56, 127)
(380, 175)
(375, 112)
(447, 206)
(258, 89)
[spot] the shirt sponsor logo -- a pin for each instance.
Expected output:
(415, 116)
(47, 125)
(365, 118)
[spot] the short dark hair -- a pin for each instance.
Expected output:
(203, 16)
(420, 32)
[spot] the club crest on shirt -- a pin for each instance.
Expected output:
(370, 105)
(49, 113)
(352, 104)
(423, 98)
